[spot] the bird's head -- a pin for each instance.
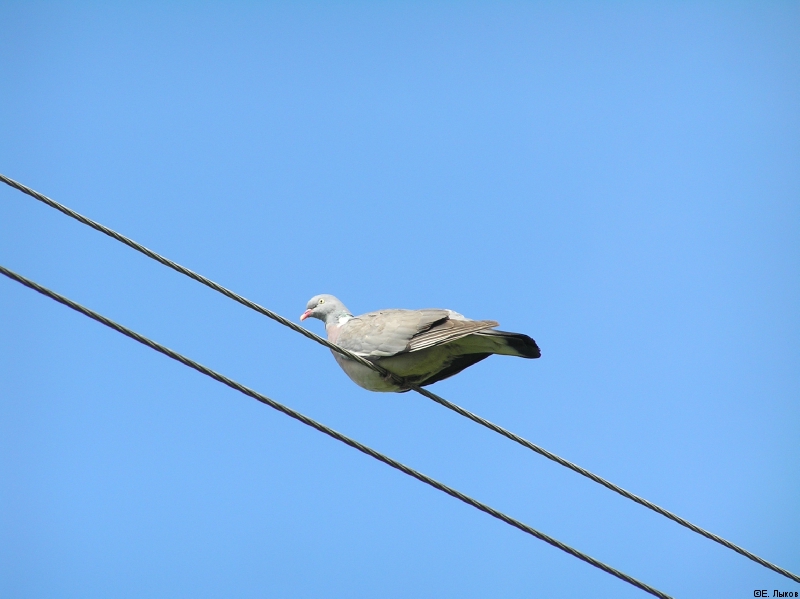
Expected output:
(324, 307)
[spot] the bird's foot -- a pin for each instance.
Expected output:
(395, 380)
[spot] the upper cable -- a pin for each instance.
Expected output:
(432, 396)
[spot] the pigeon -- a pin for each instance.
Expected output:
(420, 346)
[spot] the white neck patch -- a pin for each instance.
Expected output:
(343, 319)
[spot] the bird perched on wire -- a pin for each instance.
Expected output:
(420, 346)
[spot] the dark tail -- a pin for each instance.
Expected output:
(514, 344)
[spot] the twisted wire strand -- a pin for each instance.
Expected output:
(331, 432)
(432, 396)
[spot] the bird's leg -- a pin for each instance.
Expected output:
(390, 377)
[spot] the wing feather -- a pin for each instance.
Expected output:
(387, 332)
(447, 331)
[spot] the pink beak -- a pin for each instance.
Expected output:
(305, 315)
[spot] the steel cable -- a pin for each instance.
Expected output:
(440, 400)
(330, 432)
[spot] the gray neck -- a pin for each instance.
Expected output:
(338, 317)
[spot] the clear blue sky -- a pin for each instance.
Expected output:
(619, 180)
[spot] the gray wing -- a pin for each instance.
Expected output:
(387, 332)
(448, 330)
(390, 332)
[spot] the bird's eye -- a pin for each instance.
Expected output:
(321, 300)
